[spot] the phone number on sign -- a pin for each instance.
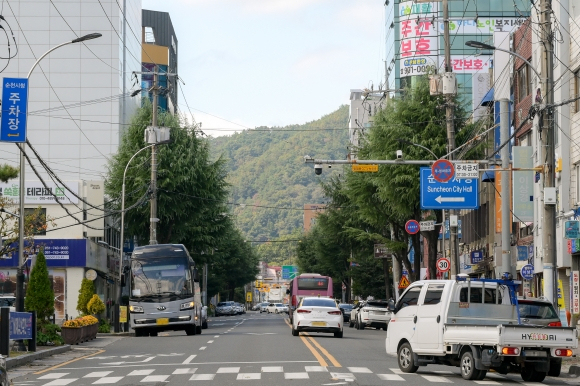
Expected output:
(417, 70)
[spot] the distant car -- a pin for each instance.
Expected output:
(256, 307)
(238, 309)
(263, 307)
(375, 314)
(277, 308)
(317, 315)
(225, 308)
(346, 309)
(354, 313)
(204, 317)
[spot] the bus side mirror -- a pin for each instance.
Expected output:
(195, 275)
(287, 292)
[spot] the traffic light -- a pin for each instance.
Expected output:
(258, 283)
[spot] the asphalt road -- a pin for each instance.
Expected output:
(257, 349)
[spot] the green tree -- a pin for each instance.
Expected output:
(8, 172)
(39, 293)
(85, 295)
(95, 306)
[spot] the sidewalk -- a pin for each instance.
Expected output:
(46, 357)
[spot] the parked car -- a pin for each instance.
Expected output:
(238, 309)
(354, 313)
(317, 315)
(263, 307)
(375, 314)
(225, 308)
(256, 307)
(204, 317)
(277, 308)
(346, 309)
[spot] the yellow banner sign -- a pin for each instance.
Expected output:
(365, 168)
(248, 296)
(123, 314)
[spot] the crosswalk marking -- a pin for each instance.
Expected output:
(61, 382)
(155, 378)
(488, 382)
(390, 377)
(345, 376)
(97, 374)
(53, 376)
(315, 369)
(225, 370)
(273, 369)
(436, 378)
(202, 377)
(141, 372)
(184, 371)
(249, 376)
(107, 380)
(360, 370)
(296, 376)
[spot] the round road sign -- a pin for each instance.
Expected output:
(527, 272)
(442, 170)
(443, 264)
(412, 227)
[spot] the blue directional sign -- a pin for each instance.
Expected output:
(455, 194)
(527, 272)
(14, 109)
(20, 325)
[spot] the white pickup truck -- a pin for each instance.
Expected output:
(473, 324)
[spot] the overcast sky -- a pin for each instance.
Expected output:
(273, 62)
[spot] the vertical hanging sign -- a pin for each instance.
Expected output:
(14, 110)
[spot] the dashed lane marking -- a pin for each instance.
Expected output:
(69, 362)
(189, 359)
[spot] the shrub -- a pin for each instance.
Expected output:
(39, 294)
(85, 295)
(95, 305)
(104, 326)
(48, 335)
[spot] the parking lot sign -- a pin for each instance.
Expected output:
(14, 110)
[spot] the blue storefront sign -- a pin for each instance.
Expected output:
(14, 106)
(58, 253)
(572, 229)
(523, 253)
(20, 325)
(527, 272)
(476, 257)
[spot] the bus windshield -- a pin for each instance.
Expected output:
(158, 277)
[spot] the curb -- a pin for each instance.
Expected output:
(25, 359)
(104, 334)
(574, 370)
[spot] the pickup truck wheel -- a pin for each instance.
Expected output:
(529, 374)
(405, 359)
(481, 376)
(555, 369)
(467, 364)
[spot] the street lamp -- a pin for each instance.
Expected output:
(20, 273)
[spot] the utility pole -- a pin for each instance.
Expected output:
(449, 91)
(154, 219)
(505, 188)
(548, 146)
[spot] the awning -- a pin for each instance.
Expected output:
(489, 176)
(488, 98)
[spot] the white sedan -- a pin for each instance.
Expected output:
(276, 308)
(317, 315)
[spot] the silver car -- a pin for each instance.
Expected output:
(225, 308)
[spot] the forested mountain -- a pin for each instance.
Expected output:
(270, 183)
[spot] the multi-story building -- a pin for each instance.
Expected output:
(160, 52)
(78, 105)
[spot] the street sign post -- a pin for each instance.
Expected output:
(382, 252)
(289, 272)
(404, 282)
(467, 171)
(412, 227)
(14, 110)
(455, 194)
(442, 170)
(427, 225)
(443, 264)
(527, 272)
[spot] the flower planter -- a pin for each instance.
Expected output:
(76, 335)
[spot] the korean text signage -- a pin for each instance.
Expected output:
(467, 171)
(58, 253)
(523, 253)
(36, 193)
(572, 229)
(122, 314)
(575, 291)
(419, 38)
(20, 325)
(455, 194)
(289, 271)
(382, 252)
(476, 257)
(14, 109)
(527, 272)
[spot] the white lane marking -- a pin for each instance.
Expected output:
(141, 372)
(336, 383)
(203, 347)
(98, 374)
(210, 341)
(155, 378)
(202, 377)
(272, 369)
(359, 370)
(53, 376)
(296, 376)
(228, 370)
(216, 336)
(217, 324)
(492, 383)
(390, 377)
(260, 333)
(398, 371)
(315, 369)
(444, 372)
(495, 376)
(194, 363)
(435, 378)
(189, 359)
(185, 371)
(249, 376)
(107, 380)
(345, 376)
(124, 363)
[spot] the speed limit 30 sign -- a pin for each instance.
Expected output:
(443, 264)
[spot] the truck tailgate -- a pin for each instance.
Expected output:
(475, 334)
(521, 335)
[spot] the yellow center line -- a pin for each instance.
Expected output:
(71, 361)
(318, 357)
(326, 353)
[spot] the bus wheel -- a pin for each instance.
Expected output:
(153, 333)
(198, 329)
(190, 330)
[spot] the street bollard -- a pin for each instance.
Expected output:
(32, 341)
(5, 331)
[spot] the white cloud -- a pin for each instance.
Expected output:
(363, 16)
